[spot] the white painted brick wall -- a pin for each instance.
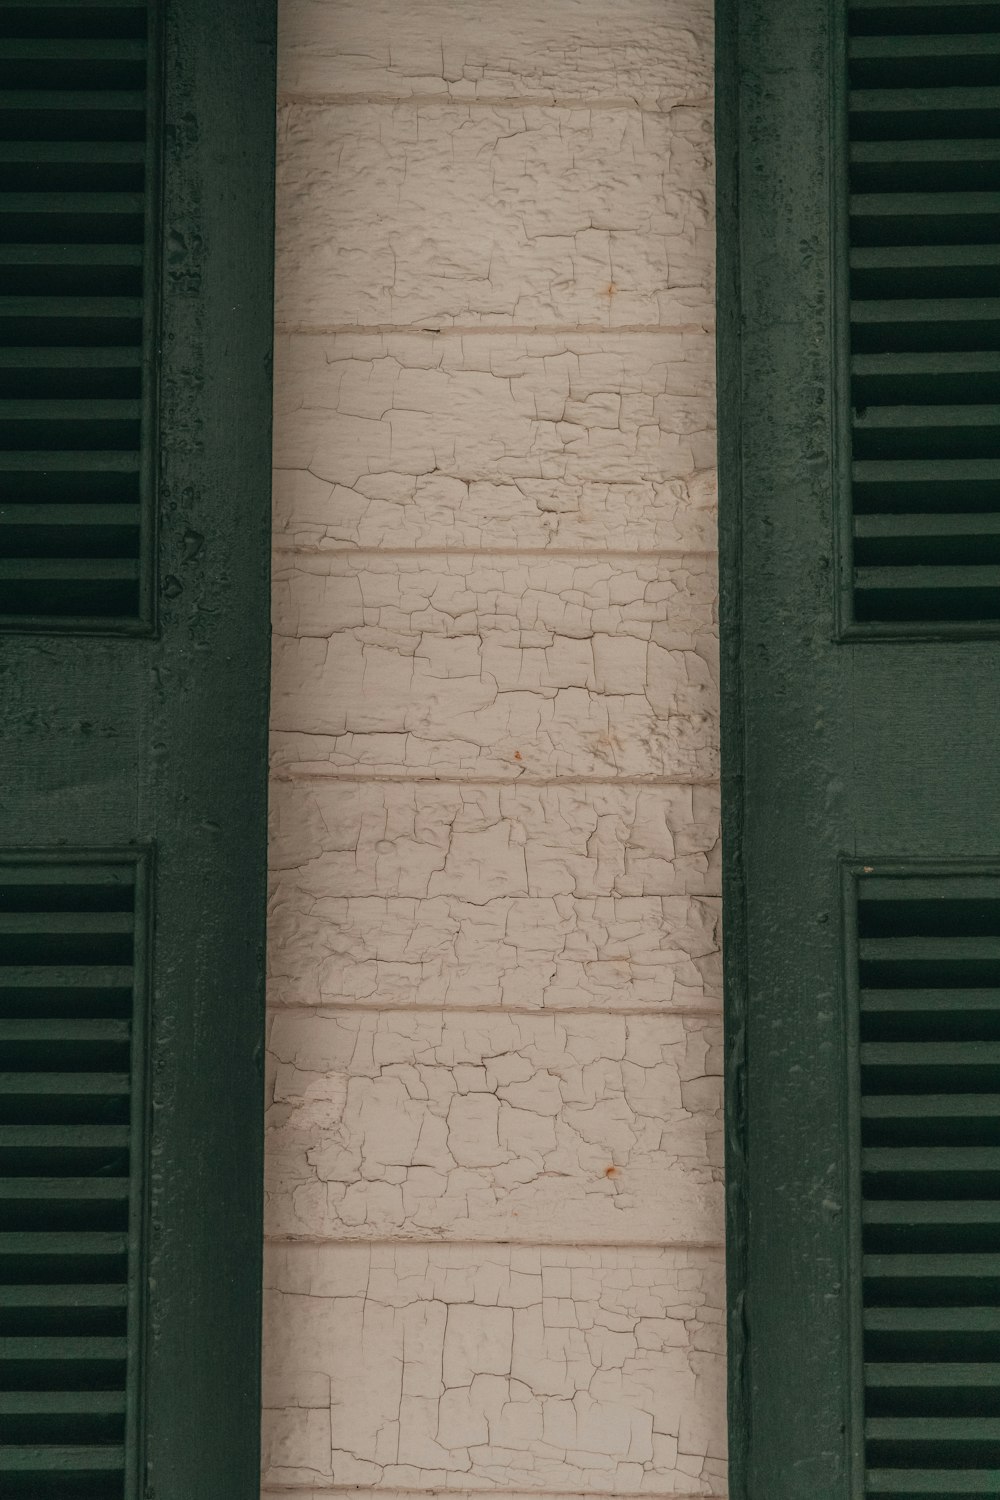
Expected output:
(494, 1223)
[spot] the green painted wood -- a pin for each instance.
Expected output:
(68, 411)
(26, 463)
(971, 1266)
(55, 101)
(896, 153)
(917, 1211)
(931, 1429)
(68, 569)
(858, 387)
(936, 47)
(68, 1189)
(63, 204)
(932, 1482)
(882, 1002)
(914, 205)
(57, 1403)
(918, 949)
(50, 1349)
(62, 1137)
(73, 49)
(63, 1296)
(69, 1244)
(47, 1030)
(919, 1054)
(920, 1320)
(896, 525)
(138, 747)
(61, 1460)
(23, 358)
(48, 923)
(933, 1375)
(909, 1106)
(71, 977)
(64, 1083)
(39, 153)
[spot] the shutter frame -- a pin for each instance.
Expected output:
(157, 742)
(842, 749)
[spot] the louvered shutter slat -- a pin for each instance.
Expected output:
(61, 1403)
(924, 235)
(76, 315)
(929, 1063)
(930, 1483)
(51, 1462)
(69, 1191)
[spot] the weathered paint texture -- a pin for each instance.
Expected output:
(514, 1369)
(494, 1183)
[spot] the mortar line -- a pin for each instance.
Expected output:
(589, 554)
(308, 1241)
(517, 330)
(500, 101)
(347, 1007)
(453, 1492)
(289, 773)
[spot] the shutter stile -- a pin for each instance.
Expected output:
(924, 233)
(929, 970)
(70, 1192)
(75, 315)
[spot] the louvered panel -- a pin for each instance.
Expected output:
(70, 1203)
(924, 231)
(929, 972)
(77, 284)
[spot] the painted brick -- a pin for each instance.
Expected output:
(494, 995)
(655, 52)
(507, 214)
(588, 1371)
(552, 1128)
(496, 441)
(546, 897)
(496, 666)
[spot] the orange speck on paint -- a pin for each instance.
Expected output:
(611, 1171)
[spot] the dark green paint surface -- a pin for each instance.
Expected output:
(158, 743)
(835, 749)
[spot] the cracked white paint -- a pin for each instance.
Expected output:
(532, 897)
(488, 1126)
(494, 951)
(540, 214)
(655, 53)
(520, 1369)
(497, 665)
(496, 441)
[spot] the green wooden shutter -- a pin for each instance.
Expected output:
(136, 191)
(924, 250)
(859, 253)
(928, 1002)
(79, 135)
(72, 1122)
